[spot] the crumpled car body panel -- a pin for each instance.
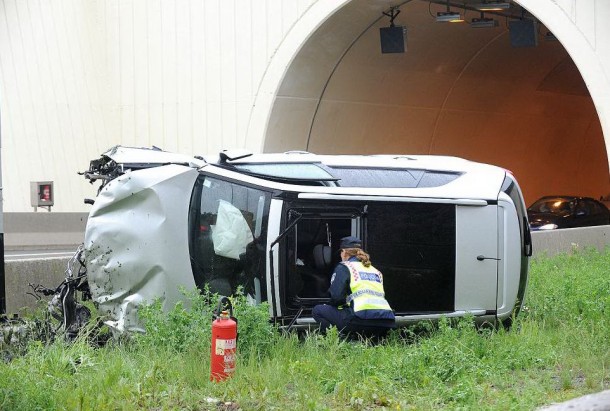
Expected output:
(133, 236)
(134, 155)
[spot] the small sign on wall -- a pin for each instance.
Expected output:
(41, 194)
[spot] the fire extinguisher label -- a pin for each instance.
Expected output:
(222, 345)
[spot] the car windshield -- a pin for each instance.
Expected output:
(228, 235)
(552, 205)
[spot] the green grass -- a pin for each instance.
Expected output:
(558, 348)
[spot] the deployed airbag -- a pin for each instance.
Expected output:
(231, 234)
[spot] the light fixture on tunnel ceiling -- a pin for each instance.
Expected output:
(483, 22)
(492, 6)
(449, 16)
(393, 38)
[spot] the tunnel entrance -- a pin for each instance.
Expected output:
(457, 90)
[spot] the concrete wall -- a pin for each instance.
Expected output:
(19, 274)
(568, 240)
(456, 91)
(581, 27)
(192, 76)
(43, 230)
(38, 231)
(77, 77)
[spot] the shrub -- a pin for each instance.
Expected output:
(187, 325)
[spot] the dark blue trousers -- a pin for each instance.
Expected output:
(327, 315)
(346, 322)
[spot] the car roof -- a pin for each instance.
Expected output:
(565, 197)
(398, 161)
(473, 180)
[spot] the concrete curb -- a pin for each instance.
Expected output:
(19, 274)
(591, 402)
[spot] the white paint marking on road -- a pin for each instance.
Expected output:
(38, 256)
(43, 254)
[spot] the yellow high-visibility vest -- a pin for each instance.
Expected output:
(366, 285)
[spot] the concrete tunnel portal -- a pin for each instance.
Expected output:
(457, 90)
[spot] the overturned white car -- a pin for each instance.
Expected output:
(450, 236)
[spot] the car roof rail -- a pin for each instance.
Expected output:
(234, 154)
(297, 152)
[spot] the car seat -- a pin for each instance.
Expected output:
(317, 279)
(322, 257)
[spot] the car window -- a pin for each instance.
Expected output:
(391, 178)
(595, 207)
(552, 205)
(584, 207)
(228, 235)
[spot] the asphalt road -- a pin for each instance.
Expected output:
(37, 254)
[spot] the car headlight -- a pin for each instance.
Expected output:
(548, 227)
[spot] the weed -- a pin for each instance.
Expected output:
(557, 349)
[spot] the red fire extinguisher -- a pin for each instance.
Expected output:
(224, 342)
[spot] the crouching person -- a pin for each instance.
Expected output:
(357, 299)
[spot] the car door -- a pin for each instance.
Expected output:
(585, 214)
(591, 213)
(476, 257)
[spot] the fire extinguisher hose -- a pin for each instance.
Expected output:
(224, 303)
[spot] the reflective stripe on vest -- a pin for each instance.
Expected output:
(366, 284)
(362, 292)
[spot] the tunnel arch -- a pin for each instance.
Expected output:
(315, 94)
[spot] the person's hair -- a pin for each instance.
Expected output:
(359, 253)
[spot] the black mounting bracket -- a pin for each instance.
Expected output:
(392, 14)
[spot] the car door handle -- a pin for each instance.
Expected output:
(482, 257)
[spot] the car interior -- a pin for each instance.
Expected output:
(412, 244)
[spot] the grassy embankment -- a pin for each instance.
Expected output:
(559, 348)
